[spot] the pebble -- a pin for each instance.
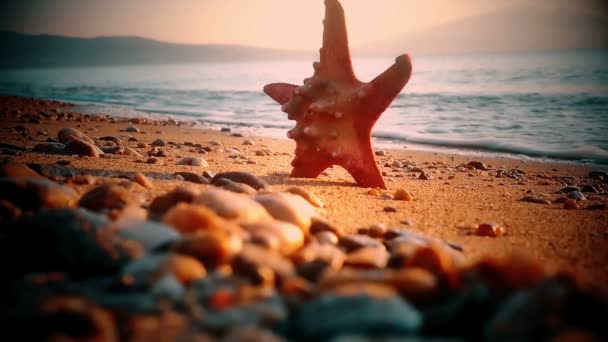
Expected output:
(324, 318)
(161, 204)
(354, 242)
(132, 129)
(478, 165)
(35, 194)
(425, 176)
(65, 135)
(212, 248)
(312, 199)
(108, 197)
(17, 170)
(232, 206)
(326, 237)
(50, 148)
(192, 161)
(403, 195)
(389, 209)
(491, 229)
(289, 236)
(289, 208)
(192, 177)
(153, 236)
(577, 196)
(248, 142)
(151, 160)
(381, 153)
(158, 143)
(142, 180)
(241, 177)
(368, 257)
(318, 224)
(262, 266)
(568, 189)
(189, 218)
(82, 148)
(239, 188)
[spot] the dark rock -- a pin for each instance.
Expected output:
(75, 241)
(330, 316)
(568, 189)
(50, 148)
(589, 189)
(599, 174)
(425, 176)
(478, 165)
(241, 177)
(262, 266)
(158, 142)
(577, 195)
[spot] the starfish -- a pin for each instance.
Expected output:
(334, 111)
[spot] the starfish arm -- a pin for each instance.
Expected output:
(363, 168)
(381, 91)
(309, 165)
(335, 54)
(280, 92)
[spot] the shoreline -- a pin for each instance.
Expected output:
(381, 140)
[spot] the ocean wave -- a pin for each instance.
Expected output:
(587, 153)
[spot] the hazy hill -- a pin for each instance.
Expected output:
(512, 29)
(21, 50)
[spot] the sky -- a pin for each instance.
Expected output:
(286, 24)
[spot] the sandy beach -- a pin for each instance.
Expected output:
(458, 196)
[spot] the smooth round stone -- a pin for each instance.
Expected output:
(75, 241)
(254, 262)
(320, 225)
(161, 204)
(192, 161)
(289, 208)
(191, 218)
(233, 206)
(368, 257)
(577, 196)
(312, 252)
(132, 129)
(290, 237)
(327, 237)
(158, 142)
(192, 177)
(491, 229)
(142, 180)
(331, 316)
(34, 194)
(151, 235)
(248, 142)
(403, 195)
(478, 165)
(82, 148)
(239, 188)
(108, 196)
(240, 177)
(17, 170)
(312, 199)
(212, 248)
(356, 241)
(569, 189)
(147, 270)
(65, 135)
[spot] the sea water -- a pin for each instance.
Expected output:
(537, 104)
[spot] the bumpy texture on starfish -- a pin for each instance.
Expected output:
(334, 111)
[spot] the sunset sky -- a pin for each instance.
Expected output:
(294, 24)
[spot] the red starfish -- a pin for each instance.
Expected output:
(334, 111)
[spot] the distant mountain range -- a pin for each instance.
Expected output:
(521, 28)
(512, 29)
(22, 50)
